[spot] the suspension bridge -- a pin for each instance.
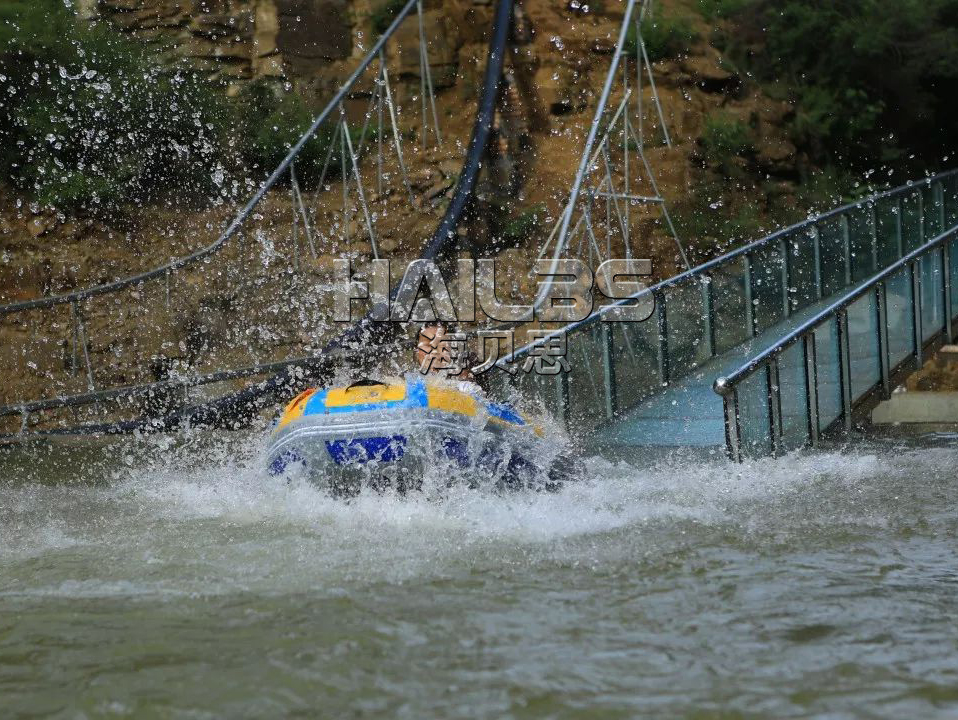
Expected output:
(773, 346)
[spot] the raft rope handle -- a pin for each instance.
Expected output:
(366, 382)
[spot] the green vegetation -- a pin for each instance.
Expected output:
(724, 141)
(735, 201)
(714, 9)
(272, 121)
(872, 82)
(384, 12)
(525, 225)
(664, 37)
(89, 122)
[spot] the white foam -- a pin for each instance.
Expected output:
(210, 519)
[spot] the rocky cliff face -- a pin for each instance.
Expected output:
(554, 74)
(239, 40)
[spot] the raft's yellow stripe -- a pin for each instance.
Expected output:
(365, 394)
(451, 400)
(296, 407)
(537, 429)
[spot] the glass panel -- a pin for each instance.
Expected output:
(931, 203)
(537, 394)
(827, 374)
(801, 268)
(911, 221)
(794, 400)
(887, 231)
(728, 296)
(901, 318)
(768, 289)
(932, 294)
(684, 312)
(861, 236)
(863, 345)
(635, 355)
(586, 377)
(756, 437)
(498, 385)
(951, 201)
(832, 242)
(954, 275)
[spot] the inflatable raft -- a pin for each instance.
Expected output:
(393, 433)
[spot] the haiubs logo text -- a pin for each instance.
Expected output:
(566, 292)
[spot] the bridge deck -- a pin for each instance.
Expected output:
(688, 413)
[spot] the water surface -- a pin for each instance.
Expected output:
(178, 580)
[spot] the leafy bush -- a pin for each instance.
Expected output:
(89, 122)
(724, 139)
(525, 225)
(664, 37)
(871, 81)
(384, 13)
(713, 9)
(272, 121)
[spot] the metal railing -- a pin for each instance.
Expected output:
(845, 357)
(721, 304)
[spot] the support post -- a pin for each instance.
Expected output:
(774, 406)
(899, 234)
(81, 334)
(884, 355)
(786, 304)
(663, 328)
(939, 190)
(846, 249)
(394, 123)
(949, 280)
(749, 300)
(916, 310)
(708, 313)
(608, 370)
(562, 398)
(359, 185)
(817, 246)
(844, 359)
(732, 434)
(873, 220)
(920, 197)
(811, 386)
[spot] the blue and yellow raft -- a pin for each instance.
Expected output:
(396, 431)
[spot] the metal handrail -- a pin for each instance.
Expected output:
(177, 263)
(726, 385)
(706, 267)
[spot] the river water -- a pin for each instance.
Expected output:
(178, 580)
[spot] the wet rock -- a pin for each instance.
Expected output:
(775, 154)
(299, 22)
(443, 43)
(563, 88)
(40, 225)
(602, 46)
(450, 167)
(220, 25)
(440, 188)
(421, 179)
(708, 72)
